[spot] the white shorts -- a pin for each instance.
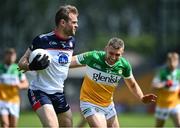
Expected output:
(163, 113)
(9, 109)
(89, 109)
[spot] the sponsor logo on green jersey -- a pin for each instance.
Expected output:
(110, 79)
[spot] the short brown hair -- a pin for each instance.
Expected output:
(63, 13)
(10, 51)
(116, 43)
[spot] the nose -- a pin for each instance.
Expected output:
(113, 57)
(76, 26)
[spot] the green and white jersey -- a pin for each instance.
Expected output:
(10, 77)
(168, 97)
(101, 79)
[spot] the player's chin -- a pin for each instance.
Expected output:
(111, 62)
(73, 33)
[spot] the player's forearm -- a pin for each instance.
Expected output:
(134, 87)
(136, 90)
(23, 64)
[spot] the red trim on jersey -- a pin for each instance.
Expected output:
(36, 106)
(59, 36)
(59, 49)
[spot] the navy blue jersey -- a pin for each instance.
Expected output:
(52, 41)
(51, 79)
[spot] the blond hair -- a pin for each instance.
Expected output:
(173, 55)
(116, 43)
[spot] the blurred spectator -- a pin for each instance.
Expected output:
(166, 83)
(11, 81)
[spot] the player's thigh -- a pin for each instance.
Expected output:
(47, 116)
(65, 119)
(97, 120)
(113, 122)
(161, 115)
(176, 119)
(14, 114)
(175, 115)
(62, 109)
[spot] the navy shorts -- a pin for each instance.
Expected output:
(39, 98)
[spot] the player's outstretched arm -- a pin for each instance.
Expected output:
(75, 63)
(136, 90)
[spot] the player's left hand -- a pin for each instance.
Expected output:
(149, 98)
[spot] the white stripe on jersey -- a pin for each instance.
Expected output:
(48, 34)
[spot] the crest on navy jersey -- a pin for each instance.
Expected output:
(63, 58)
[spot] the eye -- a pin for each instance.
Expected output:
(110, 53)
(118, 55)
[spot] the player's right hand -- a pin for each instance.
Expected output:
(168, 83)
(39, 64)
(149, 98)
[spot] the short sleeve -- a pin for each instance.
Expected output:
(157, 77)
(22, 76)
(34, 45)
(84, 58)
(127, 72)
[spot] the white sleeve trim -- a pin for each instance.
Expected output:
(77, 61)
(128, 76)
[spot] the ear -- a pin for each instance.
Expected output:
(62, 22)
(105, 48)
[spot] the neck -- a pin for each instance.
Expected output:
(60, 34)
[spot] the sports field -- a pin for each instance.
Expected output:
(29, 119)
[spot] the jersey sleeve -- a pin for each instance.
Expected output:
(127, 72)
(35, 43)
(157, 78)
(22, 76)
(84, 58)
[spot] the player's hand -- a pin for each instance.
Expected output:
(41, 64)
(149, 98)
(168, 83)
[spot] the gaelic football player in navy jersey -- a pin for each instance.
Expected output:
(46, 93)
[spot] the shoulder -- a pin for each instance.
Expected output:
(162, 69)
(90, 56)
(94, 54)
(178, 71)
(124, 62)
(43, 37)
(1, 65)
(14, 66)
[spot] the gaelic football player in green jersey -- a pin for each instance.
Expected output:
(11, 81)
(166, 84)
(104, 69)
